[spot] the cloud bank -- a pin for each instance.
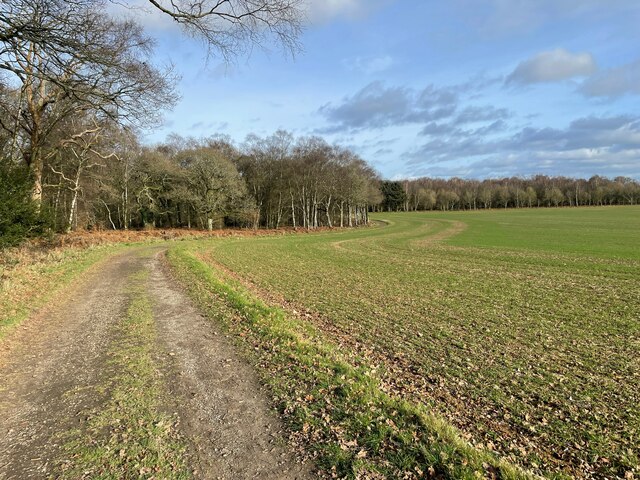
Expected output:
(458, 138)
(587, 146)
(614, 82)
(553, 66)
(378, 106)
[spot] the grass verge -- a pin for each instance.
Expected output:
(130, 437)
(31, 275)
(335, 407)
(30, 279)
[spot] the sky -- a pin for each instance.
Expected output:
(455, 88)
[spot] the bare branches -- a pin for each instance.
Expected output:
(70, 59)
(233, 27)
(72, 47)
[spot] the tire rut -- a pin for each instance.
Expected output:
(50, 368)
(222, 406)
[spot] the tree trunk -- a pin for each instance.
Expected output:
(293, 211)
(279, 214)
(113, 225)
(305, 217)
(36, 169)
(315, 214)
(56, 205)
(74, 199)
(72, 210)
(125, 205)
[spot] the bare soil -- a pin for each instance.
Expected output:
(52, 366)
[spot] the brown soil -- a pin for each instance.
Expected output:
(50, 369)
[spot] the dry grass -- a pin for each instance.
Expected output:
(32, 275)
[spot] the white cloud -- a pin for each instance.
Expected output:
(614, 82)
(553, 66)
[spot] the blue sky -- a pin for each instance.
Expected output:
(468, 88)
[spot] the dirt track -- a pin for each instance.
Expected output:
(50, 368)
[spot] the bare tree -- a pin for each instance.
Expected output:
(83, 151)
(67, 58)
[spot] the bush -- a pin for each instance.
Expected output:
(19, 216)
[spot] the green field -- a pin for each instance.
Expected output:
(521, 328)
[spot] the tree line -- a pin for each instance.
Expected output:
(514, 192)
(110, 181)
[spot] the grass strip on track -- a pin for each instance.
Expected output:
(131, 437)
(332, 406)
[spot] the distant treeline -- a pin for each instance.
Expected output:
(104, 179)
(514, 192)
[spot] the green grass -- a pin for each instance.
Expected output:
(519, 328)
(130, 437)
(606, 233)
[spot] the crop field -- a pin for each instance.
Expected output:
(520, 328)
